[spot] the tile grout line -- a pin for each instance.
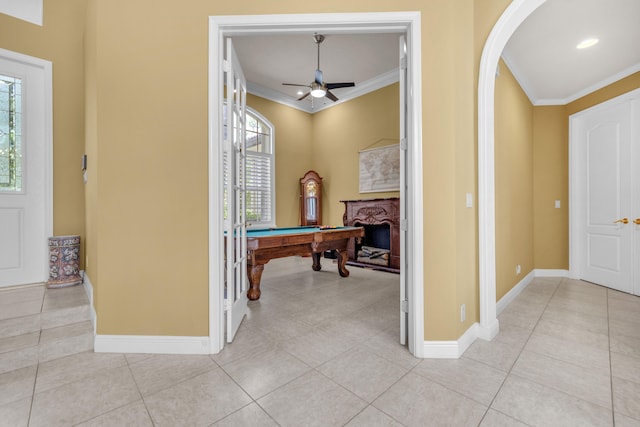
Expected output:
(142, 397)
(613, 409)
(33, 394)
(509, 372)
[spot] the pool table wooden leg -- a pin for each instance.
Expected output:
(255, 274)
(316, 261)
(342, 262)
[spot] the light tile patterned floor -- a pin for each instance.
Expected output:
(320, 350)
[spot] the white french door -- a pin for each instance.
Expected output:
(236, 282)
(404, 289)
(26, 218)
(605, 159)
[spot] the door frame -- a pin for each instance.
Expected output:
(43, 125)
(345, 23)
(574, 196)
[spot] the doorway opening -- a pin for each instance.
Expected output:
(407, 23)
(509, 21)
(26, 168)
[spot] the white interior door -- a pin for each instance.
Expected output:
(25, 168)
(235, 221)
(604, 161)
(404, 294)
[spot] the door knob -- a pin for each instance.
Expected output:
(623, 220)
(636, 221)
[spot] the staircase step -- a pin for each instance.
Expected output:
(65, 316)
(65, 340)
(61, 328)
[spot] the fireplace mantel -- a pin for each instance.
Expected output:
(365, 212)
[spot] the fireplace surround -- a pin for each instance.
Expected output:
(381, 221)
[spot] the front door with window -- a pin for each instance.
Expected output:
(25, 168)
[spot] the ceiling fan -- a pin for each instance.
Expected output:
(318, 88)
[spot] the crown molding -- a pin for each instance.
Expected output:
(528, 90)
(307, 106)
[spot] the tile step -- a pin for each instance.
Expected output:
(28, 349)
(46, 320)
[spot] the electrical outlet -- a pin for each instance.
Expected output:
(518, 269)
(463, 312)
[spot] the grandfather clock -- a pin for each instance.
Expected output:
(311, 199)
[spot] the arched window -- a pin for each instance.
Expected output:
(260, 174)
(260, 171)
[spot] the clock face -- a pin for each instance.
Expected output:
(311, 189)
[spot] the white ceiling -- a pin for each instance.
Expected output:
(543, 57)
(541, 54)
(368, 60)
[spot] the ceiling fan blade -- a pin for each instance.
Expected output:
(294, 84)
(339, 85)
(319, 77)
(304, 96)
(331, 96)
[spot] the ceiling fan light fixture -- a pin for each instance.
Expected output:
(587, 43)
(317, 91)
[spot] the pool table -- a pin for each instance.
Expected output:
(264, 245)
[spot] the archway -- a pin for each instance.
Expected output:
(502, 31)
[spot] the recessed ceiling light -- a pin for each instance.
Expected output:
(300, 92)
(587, 43)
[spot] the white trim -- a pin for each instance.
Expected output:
(526, 86)
(574, 197)
(362, 88)
(151, 344)
(215, 162)
(47, 139)
(513, 16)
(27, 10)
(450, 349)
(514, 292)
(455, 349)
(328, 23)
(551, 273)
(88, 287)
(415, 191)
(526, 281)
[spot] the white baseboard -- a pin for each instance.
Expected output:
(488, 333)
(141, 343)
(88, 287)
(514, 292)
(450, 349)
(551, 273)
(455, 349)
(151, 344)
(200, 345)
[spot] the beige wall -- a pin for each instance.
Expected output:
(618, 88)
(151, 137)
(551, 183)
(293, 147)
(339, 133)
(514, 181)
(328, 142)
(60, 41)
(146, 106)
(551, 172)
(91, 145)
